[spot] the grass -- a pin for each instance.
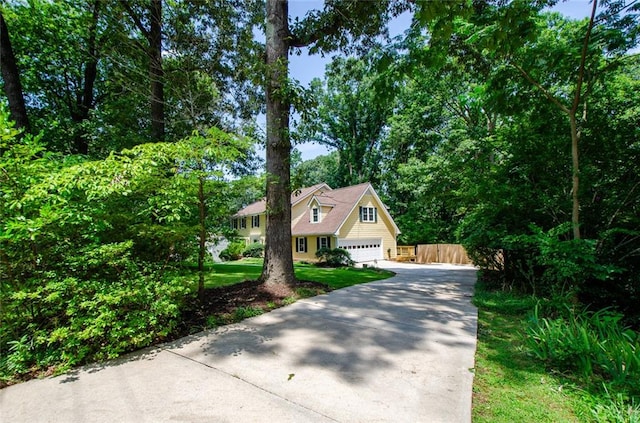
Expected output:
(229, 273)
(510, 385)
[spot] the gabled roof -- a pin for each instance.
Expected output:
(297, 196)
(344, 201)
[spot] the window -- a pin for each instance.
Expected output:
(315, 215)
(368, 214)
(323, 242)
(301, 245)
(243, 223)
(255, 221)
(234, 223)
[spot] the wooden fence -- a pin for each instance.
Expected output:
(442, 253)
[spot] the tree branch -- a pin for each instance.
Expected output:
(136, 20)
(542, 89)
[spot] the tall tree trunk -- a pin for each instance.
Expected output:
(153, 35)
(156, 72)
(85, 102)
(278, 261)
(575, 169)
(11, 77)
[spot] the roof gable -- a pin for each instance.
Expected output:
(342, 200)
(297, 196)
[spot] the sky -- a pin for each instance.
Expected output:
(305, 67)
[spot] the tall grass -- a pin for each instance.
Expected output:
(599, 350)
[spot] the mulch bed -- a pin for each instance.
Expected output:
(223, 301)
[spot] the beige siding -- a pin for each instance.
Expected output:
(312, 247)
(383, 228)
(250, 234)
(299, 211)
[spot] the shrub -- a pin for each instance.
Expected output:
(56, 321)
(255, 250)
(335, 257)
(233, 251)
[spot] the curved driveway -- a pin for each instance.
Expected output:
(397, 350)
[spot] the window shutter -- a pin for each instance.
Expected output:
(317, 243)
(329, 242)
(375, 214)
(360, 213)
(297, 246)
(305, 244)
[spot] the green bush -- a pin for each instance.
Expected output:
(233, 251)
(65, 321)
(336, 257)
(255, 250)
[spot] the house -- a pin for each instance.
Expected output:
(353, 218)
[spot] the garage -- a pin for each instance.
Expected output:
(362, 249)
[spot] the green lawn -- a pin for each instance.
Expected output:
(509, 385)
(221, 274)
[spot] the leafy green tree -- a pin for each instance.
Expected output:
(58, 52)
(323, 168)
(353, 107)
(85, 70)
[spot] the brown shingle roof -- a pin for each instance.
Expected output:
(298, 195)
(343, 201)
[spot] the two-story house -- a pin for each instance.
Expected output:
(353, 218)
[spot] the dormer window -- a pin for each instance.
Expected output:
(315, 215)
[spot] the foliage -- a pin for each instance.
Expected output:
(58, 321)
(351, 116)
(550, 264)
(334, 257)
(86, 76)
(510, 386)
(85, 245)
(594, 344)
(614, 407)
(233, 251)
(255, 250)
(323, 168)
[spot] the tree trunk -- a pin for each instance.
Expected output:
(85, 102)
(11, 77)
(575, 171)
(277, 272)
(155, 71)
(203, 238)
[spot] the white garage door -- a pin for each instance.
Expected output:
(362, 249)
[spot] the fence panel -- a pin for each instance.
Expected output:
(442, 253)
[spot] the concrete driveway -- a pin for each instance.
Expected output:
(398, 350)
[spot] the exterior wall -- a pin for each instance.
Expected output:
(250, 235)
(383, 228)
(312, 248)
(300, 210)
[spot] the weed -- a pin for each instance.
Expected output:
(308, 292)
(242, 313)
(288, 300)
